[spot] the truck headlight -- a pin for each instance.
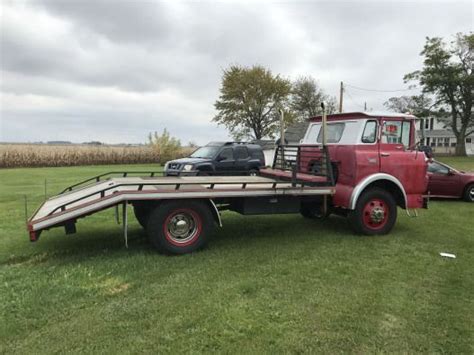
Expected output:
(188, 167)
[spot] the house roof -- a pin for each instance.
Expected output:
(265, 143)
(445, 133)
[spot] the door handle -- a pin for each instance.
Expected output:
(384, 154)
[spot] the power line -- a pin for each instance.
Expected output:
(376, 90)
(352, 100)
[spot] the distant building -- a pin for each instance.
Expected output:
(268, 147)
(58, 142)
(441, 138)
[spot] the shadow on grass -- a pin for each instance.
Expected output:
(58, 247)
(242, 232)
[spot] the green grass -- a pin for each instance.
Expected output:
(264, 284)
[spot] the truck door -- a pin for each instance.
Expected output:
(394, 157)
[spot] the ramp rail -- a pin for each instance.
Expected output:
(110, 174)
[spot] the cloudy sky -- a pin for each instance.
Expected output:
(115, 70)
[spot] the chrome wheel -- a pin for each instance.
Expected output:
(470, 194)
(181, 227)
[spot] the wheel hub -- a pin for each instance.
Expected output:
(377, 215)
(181, 227)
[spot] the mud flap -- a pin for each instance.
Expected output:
(70, 227)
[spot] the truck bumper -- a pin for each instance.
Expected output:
(416, 201)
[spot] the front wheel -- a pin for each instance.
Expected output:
(375, 213)
(180, 227)
(469, 193)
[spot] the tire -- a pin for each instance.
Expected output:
(253, 172)
(375, 213)
(203, 173)
(170, 238)
(314, 211)
(469, 193)
(142, 212)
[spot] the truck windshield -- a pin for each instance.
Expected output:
(205, 152)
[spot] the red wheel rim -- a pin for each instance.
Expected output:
(182, 227)
(375, 214)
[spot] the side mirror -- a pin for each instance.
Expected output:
(427, 150)
(220, 158)
(450, 172)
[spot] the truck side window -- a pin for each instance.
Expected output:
(334, 133)
(226, 154)
(396, 132)
(370, 132)
(406, 134)
(241, 153)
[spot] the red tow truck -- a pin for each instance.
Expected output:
(358, 165)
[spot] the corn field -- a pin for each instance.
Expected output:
(43, 155)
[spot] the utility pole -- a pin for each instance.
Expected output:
(341, 95)
(365, 106)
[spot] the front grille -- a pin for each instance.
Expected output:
(174, 166)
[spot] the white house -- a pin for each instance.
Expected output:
(441, 139)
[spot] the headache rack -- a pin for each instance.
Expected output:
(303, 162)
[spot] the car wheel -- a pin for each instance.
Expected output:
(253, 172)
(375, 213)
(469, 193)
(180, 227)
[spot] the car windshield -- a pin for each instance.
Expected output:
(207, 152)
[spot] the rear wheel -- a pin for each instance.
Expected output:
(180, 227)
(469, 193)
(375, 213)
(253, 172)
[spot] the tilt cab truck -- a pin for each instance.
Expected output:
(358, 165)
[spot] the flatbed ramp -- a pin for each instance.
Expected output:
(81, 200)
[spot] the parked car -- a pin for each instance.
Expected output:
(219, 158)
(447, 182)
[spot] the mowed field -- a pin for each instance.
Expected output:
(265, 283)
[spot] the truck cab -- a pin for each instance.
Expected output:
(370, 151)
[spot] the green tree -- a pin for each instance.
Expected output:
(447, 75)
(167, 147)
(306, 98)
(249, 102)
(418, 105)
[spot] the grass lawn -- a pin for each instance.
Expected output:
(264, 284)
